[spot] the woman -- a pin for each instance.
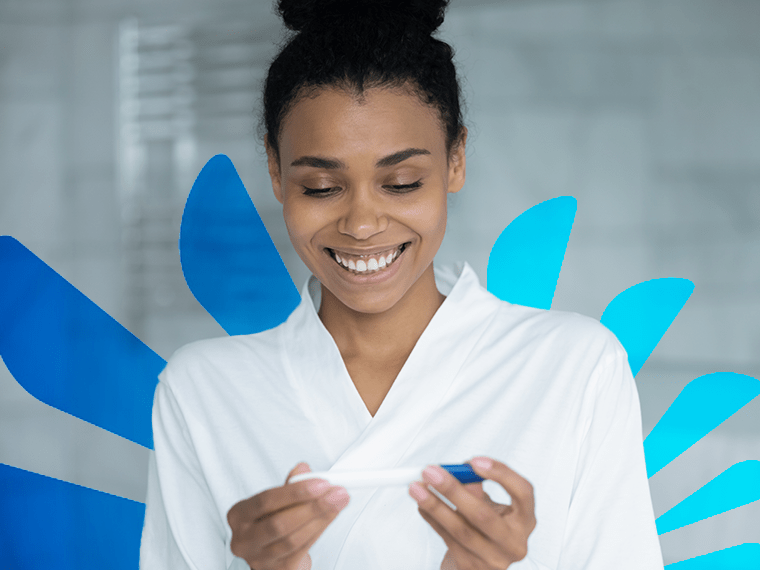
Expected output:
(386, 363)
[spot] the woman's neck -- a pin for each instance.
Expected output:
(390, 335)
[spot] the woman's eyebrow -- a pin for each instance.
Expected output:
(400, 156)
(319, 162)
(334, 164)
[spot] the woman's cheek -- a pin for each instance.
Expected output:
(428, 216)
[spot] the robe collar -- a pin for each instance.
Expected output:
(349, 438)
(352, 437)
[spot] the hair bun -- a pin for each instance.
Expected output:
(299, 14)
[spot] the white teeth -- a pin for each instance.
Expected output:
(368, 264)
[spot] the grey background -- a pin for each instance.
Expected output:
(648, 112)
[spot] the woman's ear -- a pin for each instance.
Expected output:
(273, 162)
(457, 163)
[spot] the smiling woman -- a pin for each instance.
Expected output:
(363, 185)
(386, 362)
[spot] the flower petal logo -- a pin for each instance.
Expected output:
(68, 353)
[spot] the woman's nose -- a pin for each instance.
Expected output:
(363, 217)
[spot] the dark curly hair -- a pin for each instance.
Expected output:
(360, 44)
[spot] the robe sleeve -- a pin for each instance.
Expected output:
(182, 529)
(610, 521)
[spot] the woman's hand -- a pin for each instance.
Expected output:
(480, 534)
(274, 529)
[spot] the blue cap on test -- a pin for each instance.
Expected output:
(463, 472)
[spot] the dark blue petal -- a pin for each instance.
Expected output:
(51, 524)
(641, 314)
(229, 260)
(68, 353)
(526, 259)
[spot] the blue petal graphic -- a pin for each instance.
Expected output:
(742, 557)
(47, 523)
(641, 314)
(736, 486)
(229, 260)
(526, 259)
(68, 353)
(702, 405)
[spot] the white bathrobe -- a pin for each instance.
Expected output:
(548, 393)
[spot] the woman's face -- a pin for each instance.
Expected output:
(363, 183)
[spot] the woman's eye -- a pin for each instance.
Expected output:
(397, 188)
(401, 188)
(319, 191)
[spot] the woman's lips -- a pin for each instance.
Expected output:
(368, 263)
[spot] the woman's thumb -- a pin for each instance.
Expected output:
(302, 467)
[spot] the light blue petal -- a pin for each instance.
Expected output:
(641, 314)
(228, 258)
(69, 353)
(526, 259)
(742, 557)
(51, 524)
(702, 405)
(735, 487)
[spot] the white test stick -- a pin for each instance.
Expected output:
(372, 478)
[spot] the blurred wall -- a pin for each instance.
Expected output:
(647, 112)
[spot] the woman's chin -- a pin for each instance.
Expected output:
(373, 292)
(370, 301)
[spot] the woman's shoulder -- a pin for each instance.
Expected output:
(560, 331)
(513, 323)
(206, 361)
(556, 320)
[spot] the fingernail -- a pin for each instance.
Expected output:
(338, 497)
(482, 463)
(417, 492)
(318, 487)
(434, 474)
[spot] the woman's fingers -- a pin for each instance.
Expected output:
(467, 555)
(288, 523)
(470, 507)
(278, 526)
(286, 532)
(479, 537)
(292, 544)
(479, 533)
(476, 490)
(518, 487)
(450, 541)
(272, 500)
(297, 470)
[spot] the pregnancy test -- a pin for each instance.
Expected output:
(386, 477)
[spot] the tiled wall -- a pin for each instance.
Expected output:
(647, 112)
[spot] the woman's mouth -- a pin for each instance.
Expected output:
(370, 263)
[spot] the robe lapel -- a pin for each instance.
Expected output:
(321, 383)
(423, 381)
(380, 442)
